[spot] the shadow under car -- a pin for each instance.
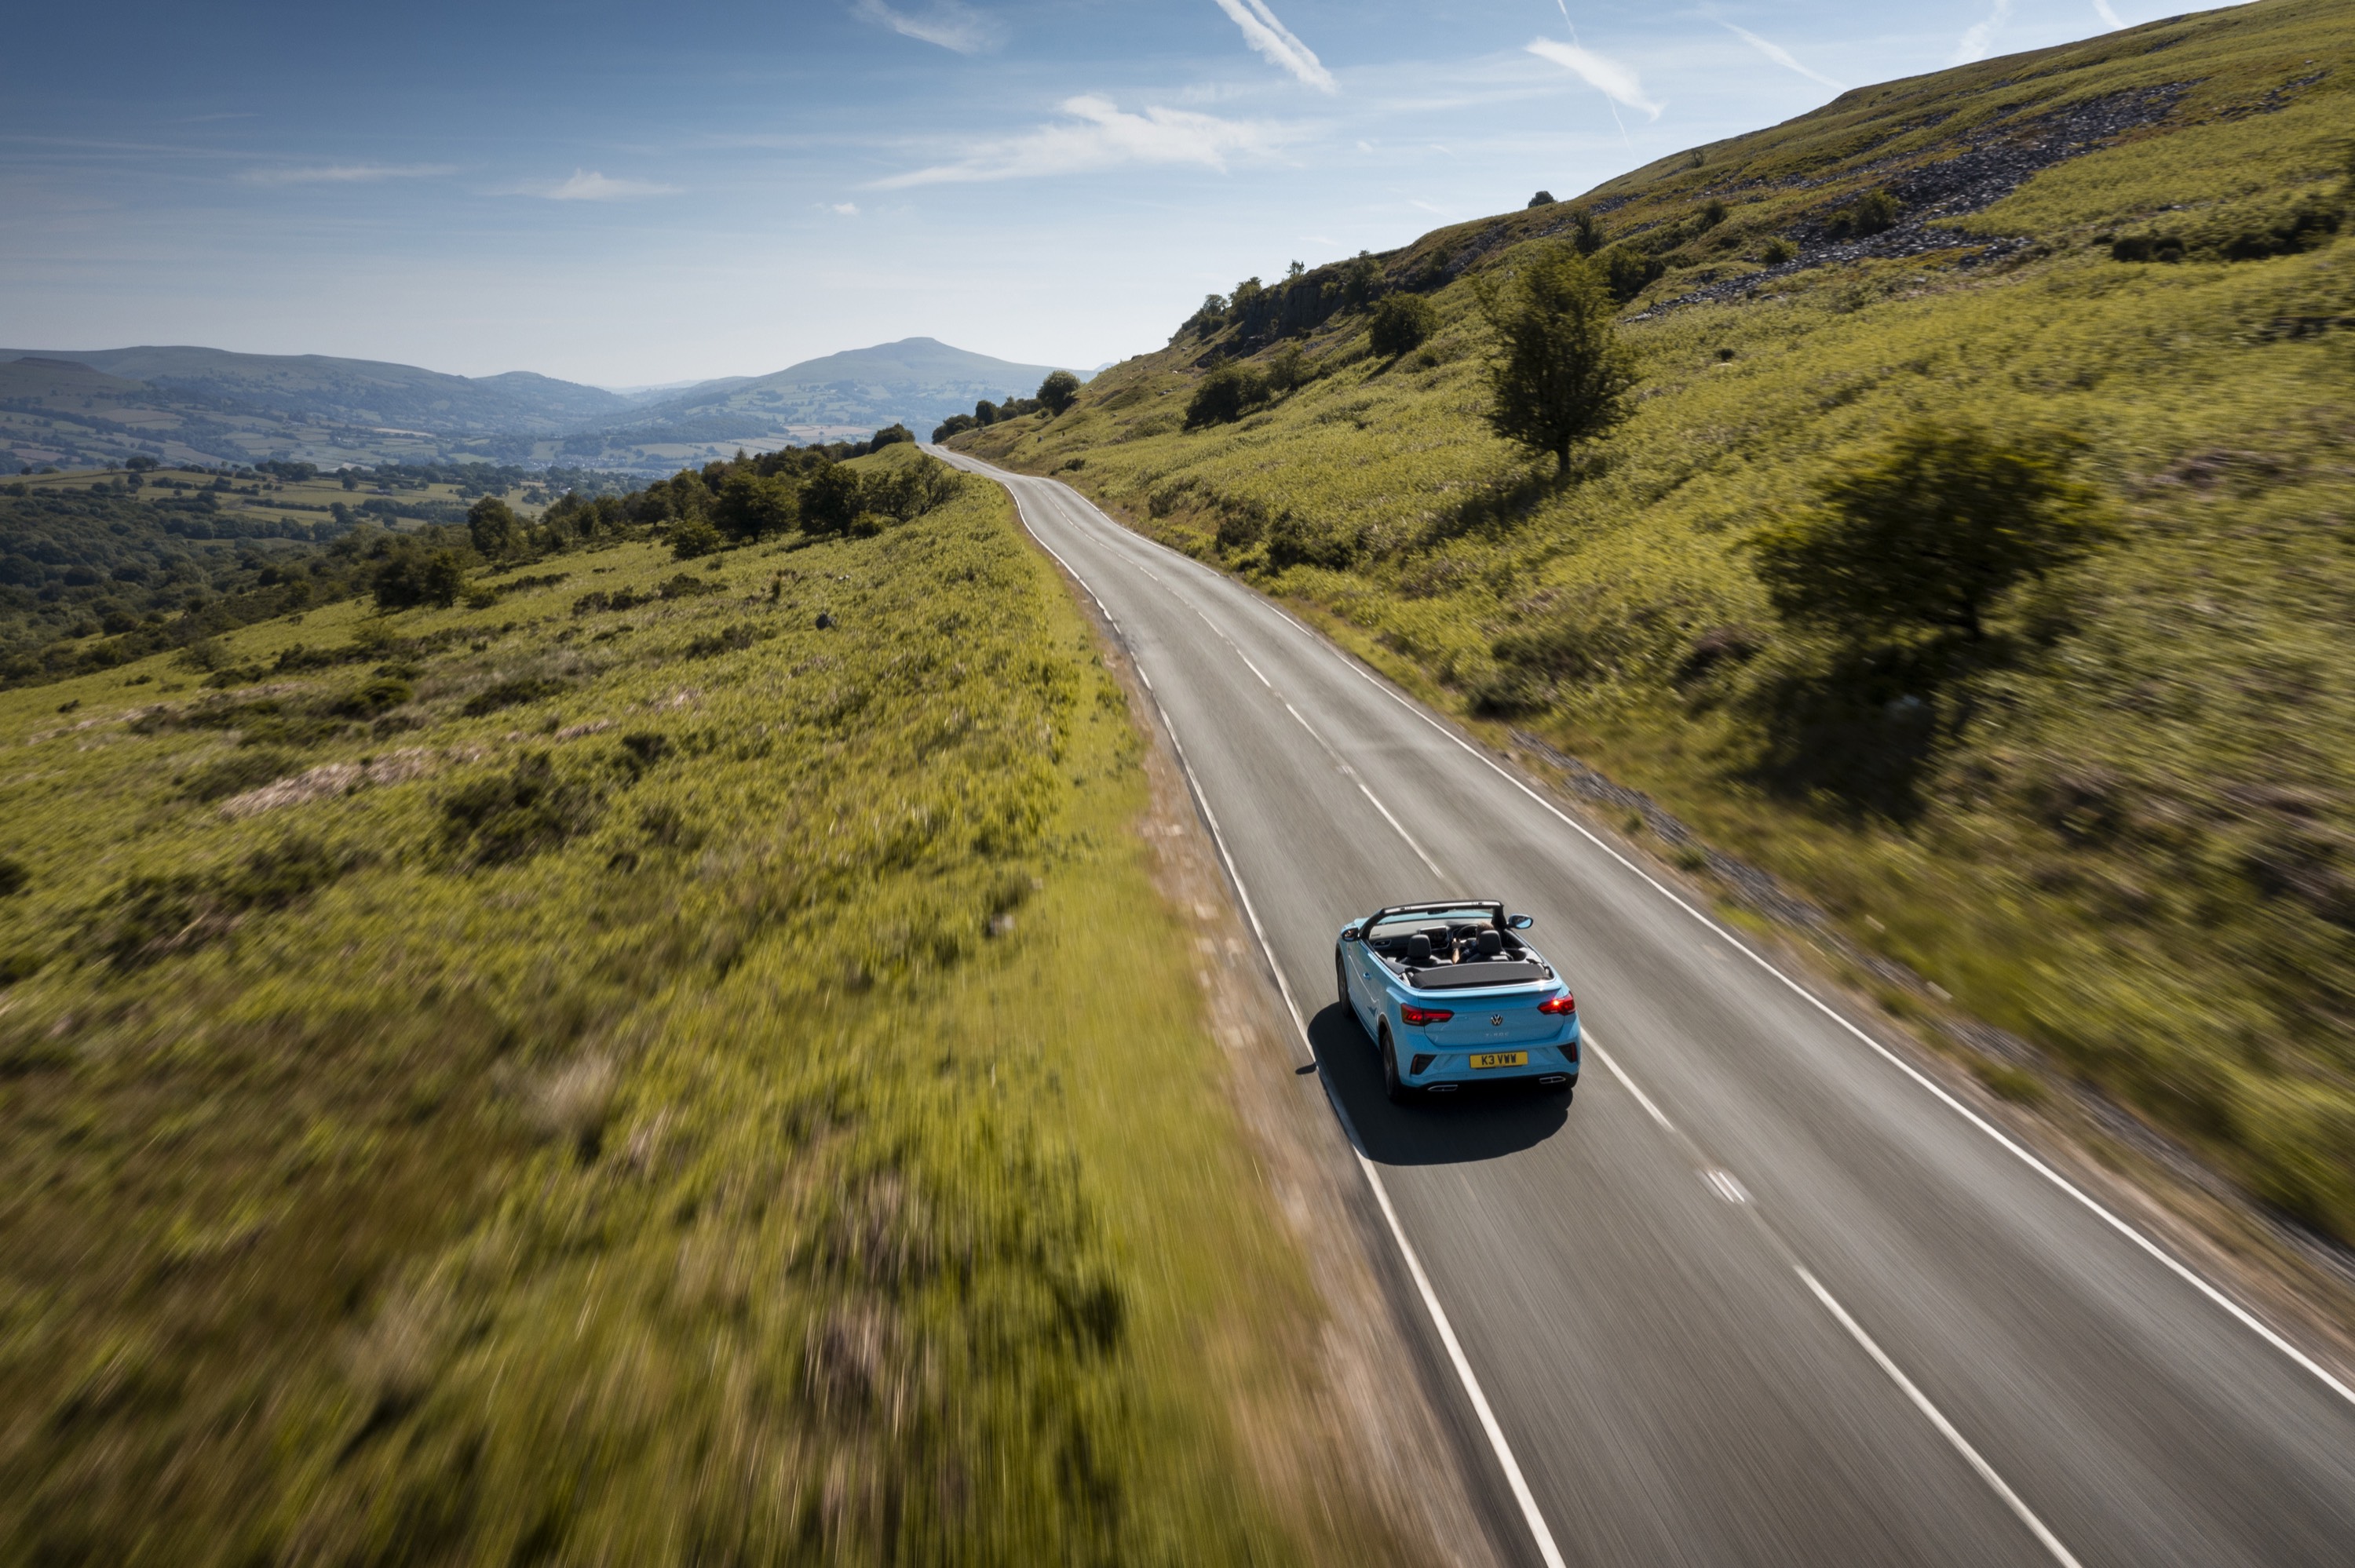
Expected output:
(1477, 1122)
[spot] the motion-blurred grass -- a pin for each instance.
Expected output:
(736, 1097)
(2126, 829)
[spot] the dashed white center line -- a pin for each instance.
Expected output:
(1586, 1042)
(1723, 1183)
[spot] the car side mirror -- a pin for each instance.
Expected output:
(1350, 935)
(1519, 922)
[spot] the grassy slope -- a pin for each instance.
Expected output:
(817, 1156)
(2129, 833)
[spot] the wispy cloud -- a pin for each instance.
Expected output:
(1099, 135)
(1975, 39)
(342, 173)
(1275, 44)
(846, 208)
(2108, 15)
(1606, 76)
(588, 184)
(951, 24)
(1783, 58)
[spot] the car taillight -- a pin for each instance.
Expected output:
(1424, 1014)
(1558, 1005)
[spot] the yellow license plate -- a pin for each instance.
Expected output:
(1501, 1059)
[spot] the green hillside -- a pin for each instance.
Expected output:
(2123, 824)
(681, 1061)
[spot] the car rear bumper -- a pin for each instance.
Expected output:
(1551, 1067)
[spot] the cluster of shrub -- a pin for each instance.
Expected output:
(2314, 221)
(1056, 394)
(266, 721)
(684, 585)
(1399, 319)
(1305, 299)
(153, 915)
(1874, 212)
(94, 579)
(490, 821)
(797, 489)
(1235, 388)
(1389, 290)
(802, 490)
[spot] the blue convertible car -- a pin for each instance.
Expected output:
(1452, 996)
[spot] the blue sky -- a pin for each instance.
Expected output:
(631, 193)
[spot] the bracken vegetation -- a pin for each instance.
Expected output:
(690, 1070)
(2104, 794)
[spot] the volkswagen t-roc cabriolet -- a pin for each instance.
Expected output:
(1452, 995)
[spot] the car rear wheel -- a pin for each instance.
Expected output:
(1400, 1092)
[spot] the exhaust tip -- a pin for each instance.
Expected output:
(1442, 1088)
(1555, 1078)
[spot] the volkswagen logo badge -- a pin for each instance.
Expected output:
(1497, 1019)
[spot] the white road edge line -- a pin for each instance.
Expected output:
(2027, 1515)
(1495, 1433)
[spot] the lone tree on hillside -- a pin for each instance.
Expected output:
(694, 536)
(1225, 395)
(1058, 392)
(1628, 270)
(412, 575)
(1401, 323)
(1927, 532)
(832, 500)
(493, 526)
(1561, 375)
(751, 507)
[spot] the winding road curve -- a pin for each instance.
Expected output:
(1763, 1295)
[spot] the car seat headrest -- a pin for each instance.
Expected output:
(1491, 943)
(1417, 949)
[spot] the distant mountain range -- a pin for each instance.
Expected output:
(918, 381)
(89, 407)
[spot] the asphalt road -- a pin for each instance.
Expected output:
(1760, 1295)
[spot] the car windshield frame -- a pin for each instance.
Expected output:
(1404, 916)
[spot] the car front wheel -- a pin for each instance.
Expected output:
(1341, 984)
